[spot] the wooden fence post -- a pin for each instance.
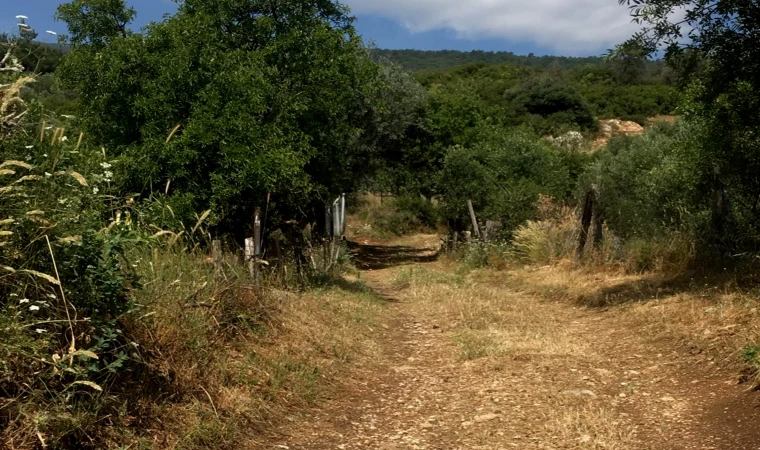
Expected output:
(250, 255)
(590, 206)
(280, 262)
(598, 227)
(475, 227)
(256, 245)
(217, 257)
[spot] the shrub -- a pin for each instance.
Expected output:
(478, 254)
(422, 209)
(503, 176)
(653, 183)
(399, 216)
(67, 282)
(556, 106)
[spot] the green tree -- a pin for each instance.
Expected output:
(502, 174)
(96, 22)
(272, 97)
(715, 46)
(555, 106)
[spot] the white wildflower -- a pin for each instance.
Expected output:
(34, 308)
(24, 26)
(14, 295)
(24, 300)
(95, 190)
(48, 174)
(28, 147)
(21, 17)
(68, 116)
(108, 174)
(52, 33)
(49, 128)
(64, 139)
(51, 296)
(62, 201)
(105, 165)
(44, 155)
(40, 331)
(28, 157)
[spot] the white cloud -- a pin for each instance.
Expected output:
(567, 26)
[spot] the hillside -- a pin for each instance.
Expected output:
(415, 60)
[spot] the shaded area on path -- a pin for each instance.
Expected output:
(376, 257)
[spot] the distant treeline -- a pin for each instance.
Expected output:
(415, 60)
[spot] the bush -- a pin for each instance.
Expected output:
(503, 176)
(422, 209)
(399, 216)
(478, 254)
(554, 107)
(653, 183)
(544, 242)
(67, 282)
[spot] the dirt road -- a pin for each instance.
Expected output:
(469, 365)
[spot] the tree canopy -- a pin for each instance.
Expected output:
(270, 97)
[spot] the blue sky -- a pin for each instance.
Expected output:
(577, 27)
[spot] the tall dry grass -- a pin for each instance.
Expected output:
(553, 239)
(233, 359)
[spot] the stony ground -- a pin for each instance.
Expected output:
(571, 378)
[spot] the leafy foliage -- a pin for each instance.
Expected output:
(262, 109)
(714, 48)
(415, 60)
(652, 184)
(503, 175)
(554, 101)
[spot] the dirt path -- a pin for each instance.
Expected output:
(563, 378)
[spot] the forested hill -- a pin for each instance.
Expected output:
(415, 60)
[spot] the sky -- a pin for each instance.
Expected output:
(556, 27)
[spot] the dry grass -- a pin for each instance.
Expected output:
(710, 319)
(490, 322)
(583, 426)
(554, 237)
(213, 360)
(511, 335)
(237, 359)
(12, 107)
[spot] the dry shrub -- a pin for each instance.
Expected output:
(669, 254)
(12, 107)
(554, 238)
(551, 238)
